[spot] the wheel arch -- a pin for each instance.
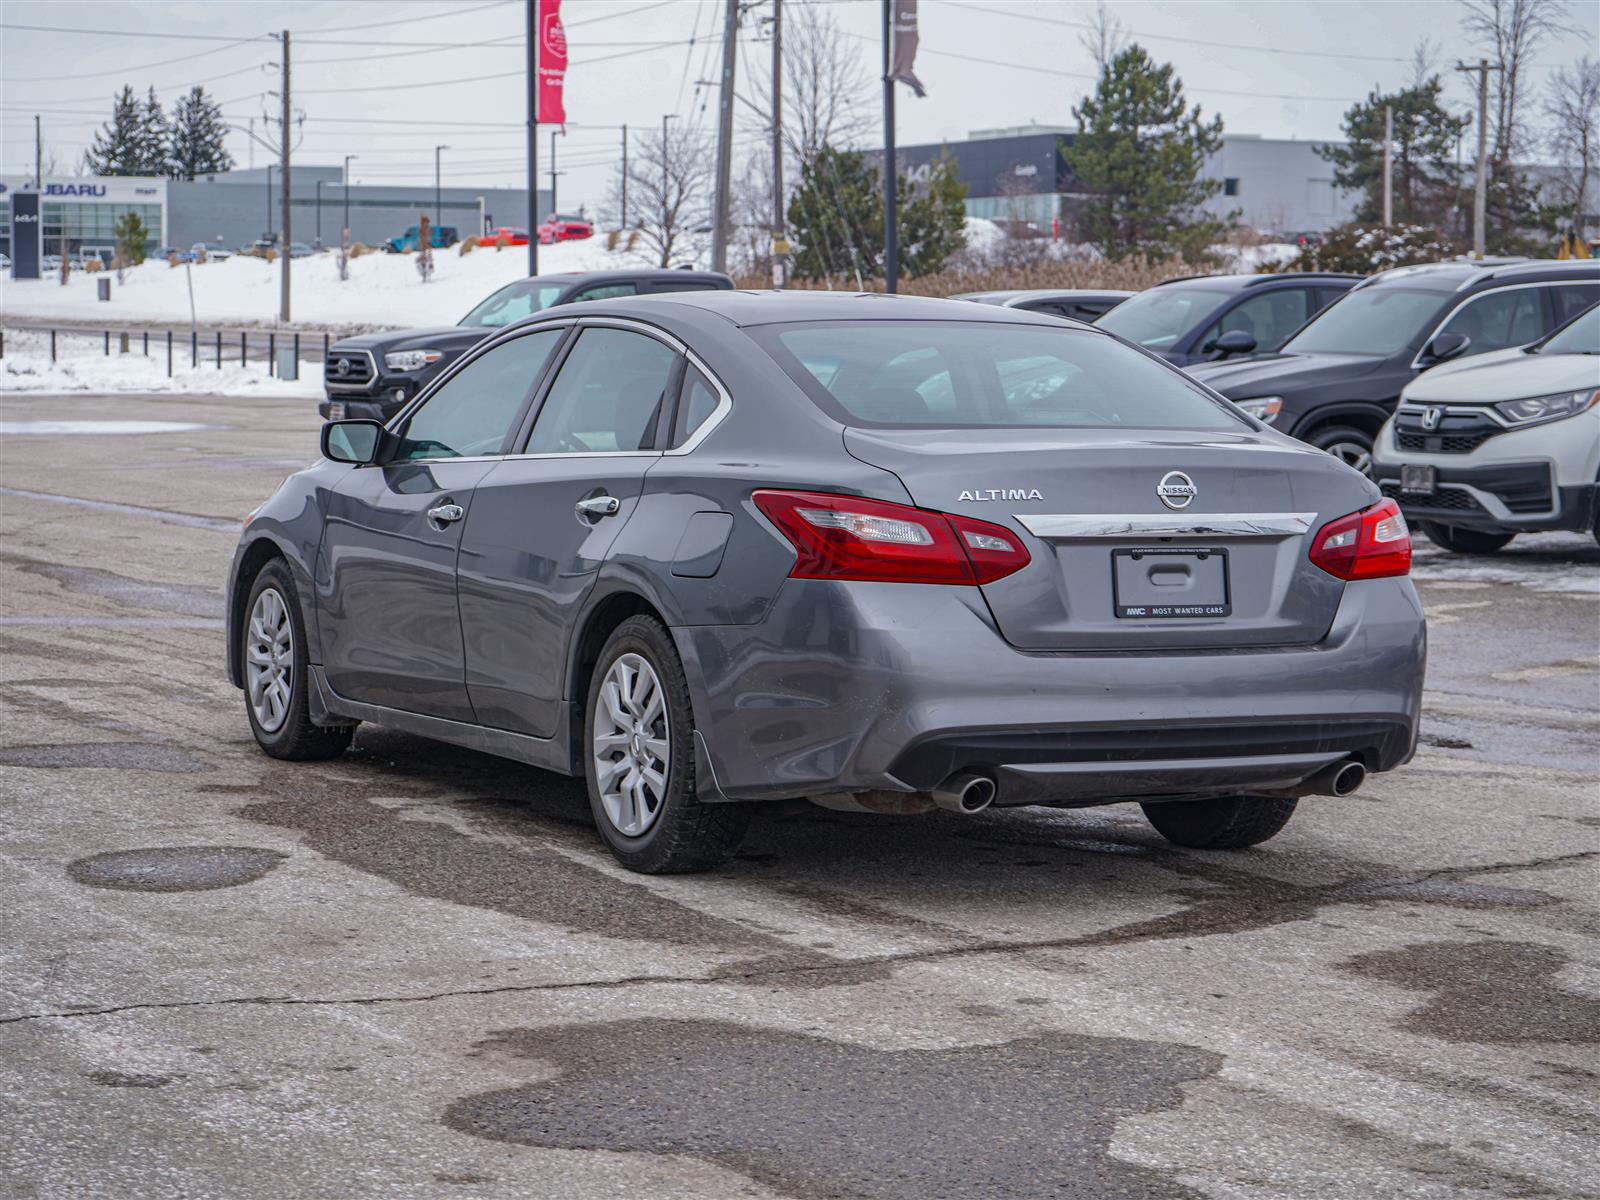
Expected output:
(251, 560)
(604, 613)
(1366, 416)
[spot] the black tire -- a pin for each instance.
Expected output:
(296, 739)
(1349, 445)
(685, 835)
(1225, 823)
(1460, 540)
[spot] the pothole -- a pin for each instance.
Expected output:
(175, 868)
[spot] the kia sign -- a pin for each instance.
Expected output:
(26, 235)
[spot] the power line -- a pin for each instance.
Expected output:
(166, 62)
(647, 47)
(455, 12)
(127, 33)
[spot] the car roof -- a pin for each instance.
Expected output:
(1460, 275)
(572, 278)
(751, 308)
(1260, 279)
(1003, 297)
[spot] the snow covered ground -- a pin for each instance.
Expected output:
(383, 289)
(82, 366)
(1568, 563)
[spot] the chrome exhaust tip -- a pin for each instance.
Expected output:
(965, 793)
(1346, 778)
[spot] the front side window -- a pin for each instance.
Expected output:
(1580, 336)
(1158, 319)
(1374, 321)
(1499, 320)
(512, 303)
(607, 396)
(1269, 318)
(934, 375)
(474, 411)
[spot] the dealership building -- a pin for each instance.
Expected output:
(234, 208)
(1020, 174)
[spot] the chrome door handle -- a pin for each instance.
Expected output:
(445, 513)
(598, 506)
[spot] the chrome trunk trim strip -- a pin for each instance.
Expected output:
(1136, 525)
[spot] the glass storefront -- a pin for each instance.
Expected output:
(76, 215)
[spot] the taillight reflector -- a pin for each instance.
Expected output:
(1370, 544)
(852, 537)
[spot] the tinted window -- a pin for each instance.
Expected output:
(1373, 321)
(947, 374)
(607, 291)
(1572, 298)
(696, 402)
(512, 303)
(607, 395)
(1499, 320)
(1159, 318)
(1269, 317)
(1581, 336)
(474, 410)
(688, 285)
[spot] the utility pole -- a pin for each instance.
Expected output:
(270, 169)
(1388, 165)
(780, 243)
(1481, 191)
(891, 235)
(666, 181)
(347, 161)
(438, 206)
(283, 150)
(38, 157)
(720, 223)
(623, 223)
(533, 137)
(320, 182)
(553, 171)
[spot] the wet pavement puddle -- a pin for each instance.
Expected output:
(97, 428)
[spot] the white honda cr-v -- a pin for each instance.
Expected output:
(1484, 448)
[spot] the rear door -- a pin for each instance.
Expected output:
(543, 520)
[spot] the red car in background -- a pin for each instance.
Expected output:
(557, 228)
(512, 235)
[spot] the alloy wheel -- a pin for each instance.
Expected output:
(1352, 454)
(631, 745)
(269, 659)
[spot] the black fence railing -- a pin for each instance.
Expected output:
(186, 347)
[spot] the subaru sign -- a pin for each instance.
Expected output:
(26, 235)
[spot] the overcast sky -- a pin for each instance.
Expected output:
(365, 70)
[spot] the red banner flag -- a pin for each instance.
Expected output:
(551, 63)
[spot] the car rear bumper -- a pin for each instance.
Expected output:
(849, 687)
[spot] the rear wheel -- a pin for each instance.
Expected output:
(273, 654)
(639, 760)
(1224, 823)
(1460, 540)
(1349, 445)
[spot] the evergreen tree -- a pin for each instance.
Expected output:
(1424, 176)
(1140, 151)
(155, 138)
(132, 238)
(119, 146)
(933, 219)
(198, 134)
(836, 218)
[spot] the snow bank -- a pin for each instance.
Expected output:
(82, 366)
(383, 289)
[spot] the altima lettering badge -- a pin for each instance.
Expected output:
(1176, 489)
(1002, 494)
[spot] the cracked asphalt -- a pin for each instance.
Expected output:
(415, 972)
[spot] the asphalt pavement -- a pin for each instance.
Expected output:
(415, 972)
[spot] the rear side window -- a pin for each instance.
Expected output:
(606, 291)
(1269, 317)
(607, 395)
(1572, 298)
(1159, 319)
(939, 375)
(696, 403)
(688, 285)
(1499, 320)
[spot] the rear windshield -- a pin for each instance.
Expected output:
(1158, 319)
(1374, 321)
(947, 374)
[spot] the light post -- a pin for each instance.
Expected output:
(553, 172)
(319, 213)
(269, 201)
(438, 206)
(348, 159)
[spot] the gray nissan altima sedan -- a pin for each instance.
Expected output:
(884, 553)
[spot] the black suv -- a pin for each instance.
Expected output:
(1214, 316)
(375, 374)
(1336, 381)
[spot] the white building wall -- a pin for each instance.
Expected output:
(1282, 186)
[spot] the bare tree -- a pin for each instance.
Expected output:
(1424, 61)
(1573, 110)
(1104, 37)
(669, 180)
(1511, 31)
(827, 92)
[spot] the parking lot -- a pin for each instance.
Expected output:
(415, 971)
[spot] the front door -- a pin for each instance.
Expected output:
(543, 521)
(389, 622)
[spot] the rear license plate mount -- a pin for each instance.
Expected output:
(1419, 479)
(1161, 582)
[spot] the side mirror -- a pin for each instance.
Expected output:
(1235, 341)
(352, 441)
(1446, 345)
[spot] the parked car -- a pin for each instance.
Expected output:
(723, 547)
(1484, 448)
(1218, 316)
(300, 250)
(557, 228)
(512, 235)
(1335, 382)
(213, 253)
(5, 262)
(1079, 304)
(439, 237)
(375, 374)
(175, 254)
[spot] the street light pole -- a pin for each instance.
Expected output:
(320, 182)
(623, 223)
(533, 135)
(665, 159)
(348, 158)
(438, 206)
(269, 201)
(554, 208)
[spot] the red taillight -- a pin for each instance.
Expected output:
(1370, 544)
(852, 537)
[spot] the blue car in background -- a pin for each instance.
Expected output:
(440, 237)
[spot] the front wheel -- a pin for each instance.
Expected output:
(1346, 443)
(1460, 540)
(639, 760)
(1223, 823)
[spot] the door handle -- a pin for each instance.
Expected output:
(598, 506)
(445, 513)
